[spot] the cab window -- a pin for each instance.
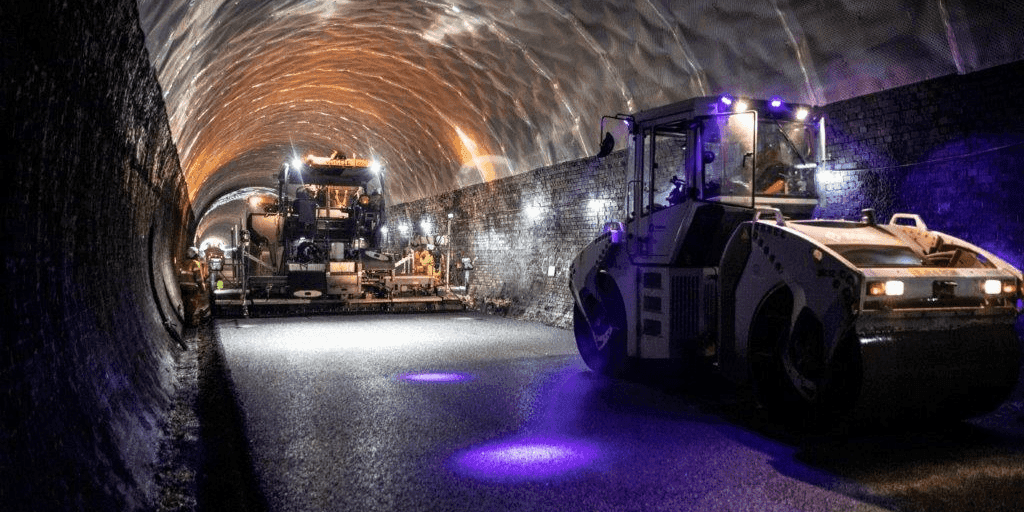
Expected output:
(785, 159)
(726, 156)
(664, 168)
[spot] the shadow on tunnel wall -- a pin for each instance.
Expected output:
(95, 213)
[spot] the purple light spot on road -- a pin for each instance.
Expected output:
(526, 459)
(435, 377)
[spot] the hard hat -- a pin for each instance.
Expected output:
(192, 252)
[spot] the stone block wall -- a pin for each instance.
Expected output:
(94, 212)
(948, 149)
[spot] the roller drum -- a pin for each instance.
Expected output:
(948, 374)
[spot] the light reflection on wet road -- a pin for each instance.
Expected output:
(474, 412)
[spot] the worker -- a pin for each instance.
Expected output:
(214, 266)
(424, 262)
(677, 194)
(773, 168)
(194, 288)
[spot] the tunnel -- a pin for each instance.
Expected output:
(134, 130)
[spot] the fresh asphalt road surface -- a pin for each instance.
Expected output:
(475, 412)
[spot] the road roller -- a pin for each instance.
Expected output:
(719, 270)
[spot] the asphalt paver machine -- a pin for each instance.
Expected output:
(317, 247)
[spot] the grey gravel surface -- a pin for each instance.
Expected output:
(336, 420)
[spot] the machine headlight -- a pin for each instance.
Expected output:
(894, 287)
(890, 288)
(992, 286)
(995, 287)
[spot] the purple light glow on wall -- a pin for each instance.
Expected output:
(526, 459)
(435, 377)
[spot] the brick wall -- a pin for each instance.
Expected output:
(515, 229)
(947, 149)
(94, 211)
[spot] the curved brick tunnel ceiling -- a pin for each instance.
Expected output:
(449, 94)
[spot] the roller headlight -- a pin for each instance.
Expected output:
(996, 287)
(992, 286)
(889, 288)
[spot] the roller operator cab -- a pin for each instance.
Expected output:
(719, 267)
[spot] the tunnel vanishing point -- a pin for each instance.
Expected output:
(126, 126)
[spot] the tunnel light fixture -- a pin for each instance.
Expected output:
(776, 103)
(376, 167)
(403, 229)
(296, 163)
(825, 176)
(595, 206)
(534, 212)
(726, 99)
(801, 114)
(740, 106)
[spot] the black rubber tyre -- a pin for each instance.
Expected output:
(794, 377)
(771, 324)
(824, 387)
(602, 344)
(801, 358)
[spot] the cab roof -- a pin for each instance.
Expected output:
(716, 105)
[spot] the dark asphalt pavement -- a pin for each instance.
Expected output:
(476, 412)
